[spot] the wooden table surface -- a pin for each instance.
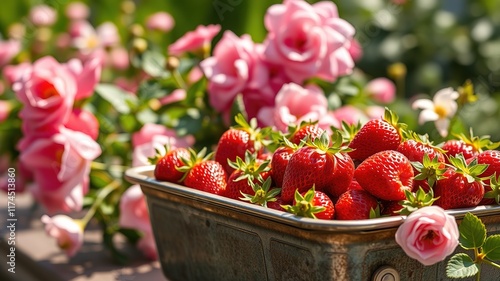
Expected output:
(37, 257)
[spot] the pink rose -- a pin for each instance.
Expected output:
(428, 235)
(42, 15)
(154, 136)
(160, 21)
(134, 214)
(355, 50)
(67, 232)
(175, 96)
(83, 121)
(381, 90)
(8, 50)
(87, 74)
(60, 165)
(77, 11)
(195, 40)
(308, 40)
(374, 112)
(118, 58)
(234, 66)
(12, 73)
(47, 90)
(350, 114)
(295, 104)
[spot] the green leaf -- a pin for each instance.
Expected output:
(461, 266)
(153, 63)
(472, 232)
(116, 97)
(491, 247)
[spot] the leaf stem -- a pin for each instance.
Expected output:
(491, 263)
(115, 184)
(179, 80)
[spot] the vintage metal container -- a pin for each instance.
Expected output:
(205, 237)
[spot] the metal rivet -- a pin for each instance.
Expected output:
(386, 273)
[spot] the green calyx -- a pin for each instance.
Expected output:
(332, 145)
(194, 158)
(349, 131)
(392, 118)
(250, 167)
(263, 193)
(471, 171)
(494, 193)
(480, 143)
(258, 135)
(304, 206)
(430, 170)
(416, 200)
(159, 154)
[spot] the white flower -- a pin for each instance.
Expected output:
(440, 109)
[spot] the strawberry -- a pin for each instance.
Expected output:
(376, 135)
(312, 164)
(312, 204)
(492, 159)
(304, 130)
(237, 140)
(355, 204)
(386, 175)
(279, 160)
(167, 165)
(391, 208)
(276, 204)
(248, 171)
(469, 146)
(460, 186)
(415, 147)
(202, 173)
(344, 170)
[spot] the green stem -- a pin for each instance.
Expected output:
(179, 80)
(104, 167)
(115, 184)
(491, 263)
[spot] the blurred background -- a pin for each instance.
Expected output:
(441, 43)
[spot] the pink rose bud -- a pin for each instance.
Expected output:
(77, 11)
(382, 90)
(194, 40)
(67, 232)
(42, 15)
(8, 50)
(160, 21)
(428, 235)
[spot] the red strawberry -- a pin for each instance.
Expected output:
(460, 186)
(237, 140)
(492, 159)
(469, 146)
(279, 161)
(415, 148)
(355, 204)
(167, 165)
(311, 165)
(248, 171)
(305, 129)
(203, 174)
(344, 170)
(386, 175)
(376, 135)
(355, 185)
(277, 204)
(312, 204)
(391, 208)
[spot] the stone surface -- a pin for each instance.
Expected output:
(37, 257)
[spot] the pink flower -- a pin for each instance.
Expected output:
(381, 90)
(118, 58)
(12, 73)
(47, 90)
(67, 232)
(60, 165)
(428, 235)
(8, 50)
(355, 50)
(134, 214)
(77, 11)
(155, 136)
(234, 66)
(308, 40)
(175, 96)
(87, 74)
(42, 15)
(350, 114)
(83, 121)
(160, 21)
(5, 108)
(295, 104)
(87, 39)
(195, 40)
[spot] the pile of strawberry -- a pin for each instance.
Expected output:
(357, 172)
